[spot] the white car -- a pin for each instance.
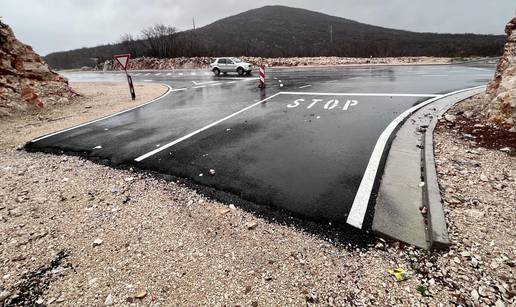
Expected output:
(225, 65)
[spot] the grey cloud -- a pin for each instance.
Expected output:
(54, 25)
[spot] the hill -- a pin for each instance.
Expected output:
(279, 31)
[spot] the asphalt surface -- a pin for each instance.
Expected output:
(302, 144)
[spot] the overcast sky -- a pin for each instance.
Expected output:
(56, 25)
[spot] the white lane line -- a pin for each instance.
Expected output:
(435, 75)
(169, 91)
(180, 73)
(137, 74)
(149, 154)
(478, 68)
(231, 82)
(147, 74)
(157, 74)
(148, 80)
(206, 73)
(200, 86)
(215, 84)
(169, 74)
(305, 86)
(193, 73)
(361, 201)
(236, 78)
(360, 94)
(202, 83)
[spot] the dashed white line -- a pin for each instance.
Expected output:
(147, 74)
(149, 154)
(169, 74)
(157, 74)
(147, 80)
(305, 86)
(200, 86)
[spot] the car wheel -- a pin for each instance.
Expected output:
(216, 71)
(225, 73)
(240, 71)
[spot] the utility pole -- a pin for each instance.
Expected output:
(193, 21)
(331, 33)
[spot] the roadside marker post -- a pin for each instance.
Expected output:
(123, 60)
(262, 76)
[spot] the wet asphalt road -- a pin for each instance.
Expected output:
(301, 145)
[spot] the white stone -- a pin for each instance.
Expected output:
(97, 242)
(109, 300)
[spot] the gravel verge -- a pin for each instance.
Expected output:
(75, 233)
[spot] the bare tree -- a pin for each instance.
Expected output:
(160, 39)
(129, 43)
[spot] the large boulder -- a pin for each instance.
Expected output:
(26, 81)
(501, 91)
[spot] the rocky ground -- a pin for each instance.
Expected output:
(74, 233)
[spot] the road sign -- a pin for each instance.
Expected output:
(123, 60)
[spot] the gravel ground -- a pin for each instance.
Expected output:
(74, 233)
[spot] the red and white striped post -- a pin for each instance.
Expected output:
(262, 76)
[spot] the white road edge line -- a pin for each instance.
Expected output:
(169, 91)
(305, 86)
(189, 135)
(360, 94)
(362, 197)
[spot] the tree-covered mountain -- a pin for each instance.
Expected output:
(279, 31)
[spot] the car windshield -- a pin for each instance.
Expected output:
(236, 60)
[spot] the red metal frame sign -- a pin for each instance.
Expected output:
(123, 60)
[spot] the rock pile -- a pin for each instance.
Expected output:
(26, 81)
(203, 62)
(155, 63)
(501, 91)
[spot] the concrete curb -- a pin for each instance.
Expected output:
(437, 229)
(408, 203)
